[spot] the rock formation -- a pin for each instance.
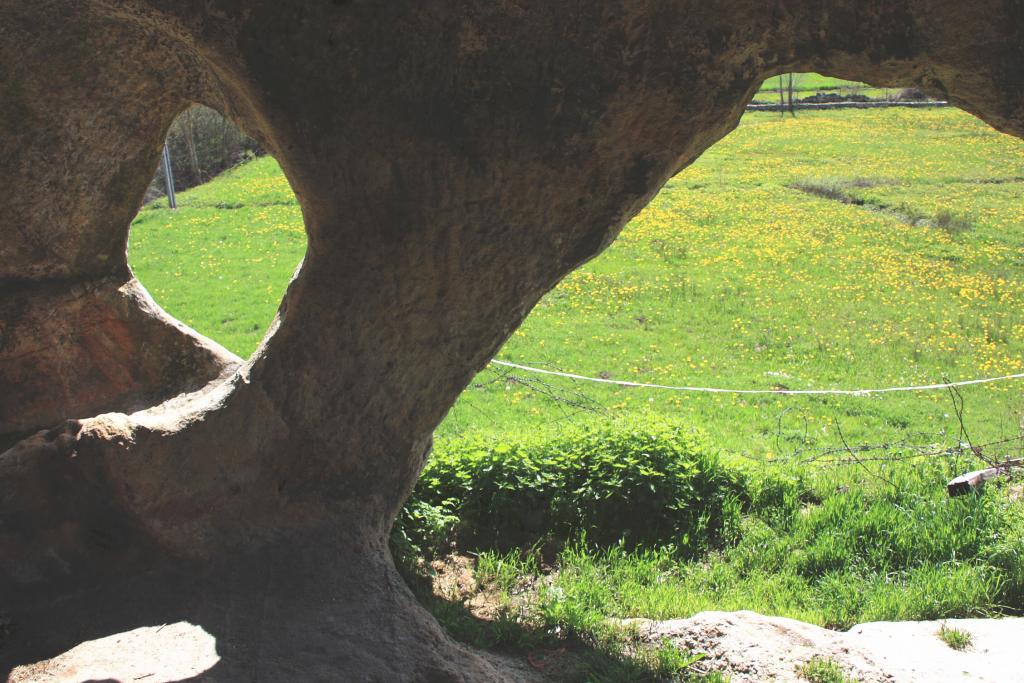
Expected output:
(453, 161)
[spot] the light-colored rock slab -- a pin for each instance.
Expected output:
(153, 654)
(912, 651)
(753, 648)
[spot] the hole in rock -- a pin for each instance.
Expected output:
(852, 248)
(839, 248)
(221, 260)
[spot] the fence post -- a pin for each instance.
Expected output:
(169, 178)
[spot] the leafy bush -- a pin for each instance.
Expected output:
(423, 529)
(642, 483)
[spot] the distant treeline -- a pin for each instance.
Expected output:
(202, 143)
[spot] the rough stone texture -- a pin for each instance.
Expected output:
(94, 346)
(751, 648)
(453, 161)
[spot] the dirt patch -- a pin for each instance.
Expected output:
(453, 578)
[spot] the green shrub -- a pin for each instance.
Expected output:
(423, 529)
(644, 483)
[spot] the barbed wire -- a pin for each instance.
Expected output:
(804, 392)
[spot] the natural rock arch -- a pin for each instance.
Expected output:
(453, 161)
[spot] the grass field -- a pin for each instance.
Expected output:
(220, 262)
(844, 249)
(805, 84)
(809, 82)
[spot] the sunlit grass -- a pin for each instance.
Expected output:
(220, 262)
(823, 670)
(805, 82)
(851, 552)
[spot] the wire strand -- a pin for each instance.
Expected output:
(784, 392)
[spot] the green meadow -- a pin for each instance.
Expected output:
(810, 82)
(805, 84)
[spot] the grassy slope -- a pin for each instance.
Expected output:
(220, 262)
(729, 278)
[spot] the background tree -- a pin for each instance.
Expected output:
(202, 143)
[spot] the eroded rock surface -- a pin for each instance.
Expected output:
(453, 162)
(91, 347)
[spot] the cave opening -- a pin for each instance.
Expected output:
(221, 260)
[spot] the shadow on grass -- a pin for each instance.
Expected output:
(557, 655)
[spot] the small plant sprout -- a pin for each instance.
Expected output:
(954, 637)
(823, 670)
